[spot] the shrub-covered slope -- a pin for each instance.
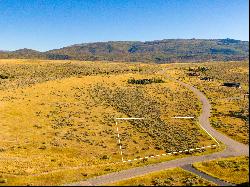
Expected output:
(158, 51)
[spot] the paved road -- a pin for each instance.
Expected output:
(233, 148)
(231, 145)
(205, 176)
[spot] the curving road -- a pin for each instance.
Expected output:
(217, 181)
(233, 148)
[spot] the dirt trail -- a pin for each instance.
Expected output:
(233, 148)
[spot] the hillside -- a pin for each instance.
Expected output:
(22, 53)
(158, 51)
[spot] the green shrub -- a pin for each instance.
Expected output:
(145, 81)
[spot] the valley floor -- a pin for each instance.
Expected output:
(58, 117)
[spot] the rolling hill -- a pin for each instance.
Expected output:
(158, 51)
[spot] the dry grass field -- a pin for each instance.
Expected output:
(58, 118)
(234, 169)
(170, 177)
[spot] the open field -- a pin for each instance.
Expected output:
(233, 169)
(20, 73)
(58, 119)
(170, 177)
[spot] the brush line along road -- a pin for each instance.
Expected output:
(233, 148)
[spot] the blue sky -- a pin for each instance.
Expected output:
(49, 24)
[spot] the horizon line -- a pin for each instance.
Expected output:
(143, 41)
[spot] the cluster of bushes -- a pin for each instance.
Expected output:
(228, 164)
(226, 72)
(170, 181)
(199, 69)
(239, 114)
(2, 76)
(145, 81)
(196, 71)
(134, 102)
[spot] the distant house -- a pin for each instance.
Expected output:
(206, 78)
(232, 84)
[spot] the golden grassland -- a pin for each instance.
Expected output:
(57, 119)
(233, 169)
(29, 72)
(170, 177)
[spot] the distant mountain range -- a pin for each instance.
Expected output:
(158, 51)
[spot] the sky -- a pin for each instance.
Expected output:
(48, 24)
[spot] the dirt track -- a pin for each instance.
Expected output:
(233, 148)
